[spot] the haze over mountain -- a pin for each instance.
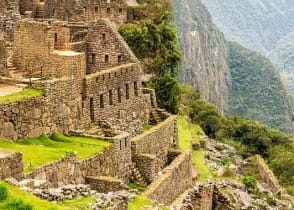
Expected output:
(236, 80)
(263, 25)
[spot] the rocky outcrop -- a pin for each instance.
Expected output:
(204, 52)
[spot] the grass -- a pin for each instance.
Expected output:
(77, 203)
(15, 193)
(41, 150)
(27, 93)
(202, 169)
(184, 133)
(146, 127)
(136, 186)
(139, 202)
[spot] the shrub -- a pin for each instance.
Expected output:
(271, 200)
(3, 192)
(250, 183)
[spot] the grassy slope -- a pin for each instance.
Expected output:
(38, 151)
(27, 93)
(77, 203)
(38, 204)
(188, 132)
(139, 202)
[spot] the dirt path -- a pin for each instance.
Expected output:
(6, 89)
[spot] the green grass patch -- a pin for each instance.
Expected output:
(18, 199)
(184, 133)
(146, 127)
(139, 202)
(136, 186)
(77, 203)
(202, 169)
(41, 150)
(196, 133)
(26, 93)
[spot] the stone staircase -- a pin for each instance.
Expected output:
(136, 176)
(158, 115)
(40, 11)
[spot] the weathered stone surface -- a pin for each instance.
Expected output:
(11, 165)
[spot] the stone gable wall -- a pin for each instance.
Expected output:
(176, 178)
(157, 141)
(11, 166)
(106, 48)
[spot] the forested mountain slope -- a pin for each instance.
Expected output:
(257, 90)
(263, 25)
(234, 79)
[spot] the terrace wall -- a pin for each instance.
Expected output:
(114, 161)
(176, 178)
(157, 141)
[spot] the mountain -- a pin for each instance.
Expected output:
(236, 80)
(263, 25)
(204, 64)
(257, 91)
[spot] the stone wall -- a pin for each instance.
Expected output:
(114, 161)
(105, 184)
(157, 141)
(267, 175)
(3, 57)
(105, 47)
(86, 10)
(24, 119)
(115, 96)
(146, 164)
(11, 165)
(63, 171)
(40, 51)
(176, 178)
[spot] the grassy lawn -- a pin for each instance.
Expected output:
(23, 197)
(77, 203)
(136, 186)
(139, 202)
(202, 169)
(27, 93)
(38, 151)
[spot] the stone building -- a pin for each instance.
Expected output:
(3, 56)
(89, 75)
(74, 10)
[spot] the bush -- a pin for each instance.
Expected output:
(18, 205)
(271, 200)
(250, 183)
(3, 192)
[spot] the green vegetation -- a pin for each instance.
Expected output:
(184, 133)
(247, 136)
(250, 183)
(19, 200)
(146, 127)
(136, 186)
(41, 150)
(27, 93)
(257, 90)
(201, 167)
(76, 203)
(152, 37)
(139, 202)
